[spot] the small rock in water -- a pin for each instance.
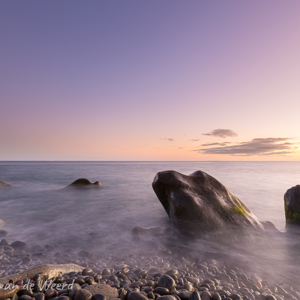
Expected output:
(19, 245)
(4, 242)
(83, 182)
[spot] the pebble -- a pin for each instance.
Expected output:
(136, 296)
(83, 295)
(167, 282)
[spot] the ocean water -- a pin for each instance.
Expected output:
(39, 210)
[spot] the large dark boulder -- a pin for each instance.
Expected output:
(83, 182)
(199, 203)
(3, 184)
(292, 205)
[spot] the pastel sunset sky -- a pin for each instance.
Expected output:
(150, 80)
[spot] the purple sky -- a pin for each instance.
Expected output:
(149, 80)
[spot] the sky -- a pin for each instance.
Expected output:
(150, 80)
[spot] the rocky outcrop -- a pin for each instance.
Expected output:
(48, 271)
(83, 182)
(199, 203)
(3, 184)
(292, 205)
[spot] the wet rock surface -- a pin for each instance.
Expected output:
(83, 182)
(292, 205)
(199, 203)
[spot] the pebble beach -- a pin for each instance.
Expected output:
(160, 273)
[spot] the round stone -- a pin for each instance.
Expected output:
(39, 296)
(205, 295)
(87, 272)
(51, 293)
(19, 245)
(167, 297)
(161, 290)
(167, 282)
(83, 295)
(136, 296)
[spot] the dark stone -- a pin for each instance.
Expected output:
(25, 297)
(199, 203)
(235, 297)
(216, 296)
(151, 295)
(161, 290)
(83, 295)
(75, 288)
(167, 297)
(87, 272)
(26, 260)
(3, 184)
(39, 296)
(270, 297)
(195, 296)
(103, 289)
(63, 297)
(173, 273)
(292, 205)
(83, 182)
(51, 293)
(19, 245)
(4, 242)
(136, 296)
(99, 297)
(25, 290)
(184, 294)
(167, 282)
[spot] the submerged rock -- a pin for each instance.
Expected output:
(3, 184)
(83, 182)
(199, 203)
(292, 205)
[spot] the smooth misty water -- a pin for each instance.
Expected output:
(38, 210)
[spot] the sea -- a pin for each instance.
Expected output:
(39, 210)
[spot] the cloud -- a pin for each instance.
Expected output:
(169, 139)
(195, 140)
(216, 144)
(222, 133)
(258, 146)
